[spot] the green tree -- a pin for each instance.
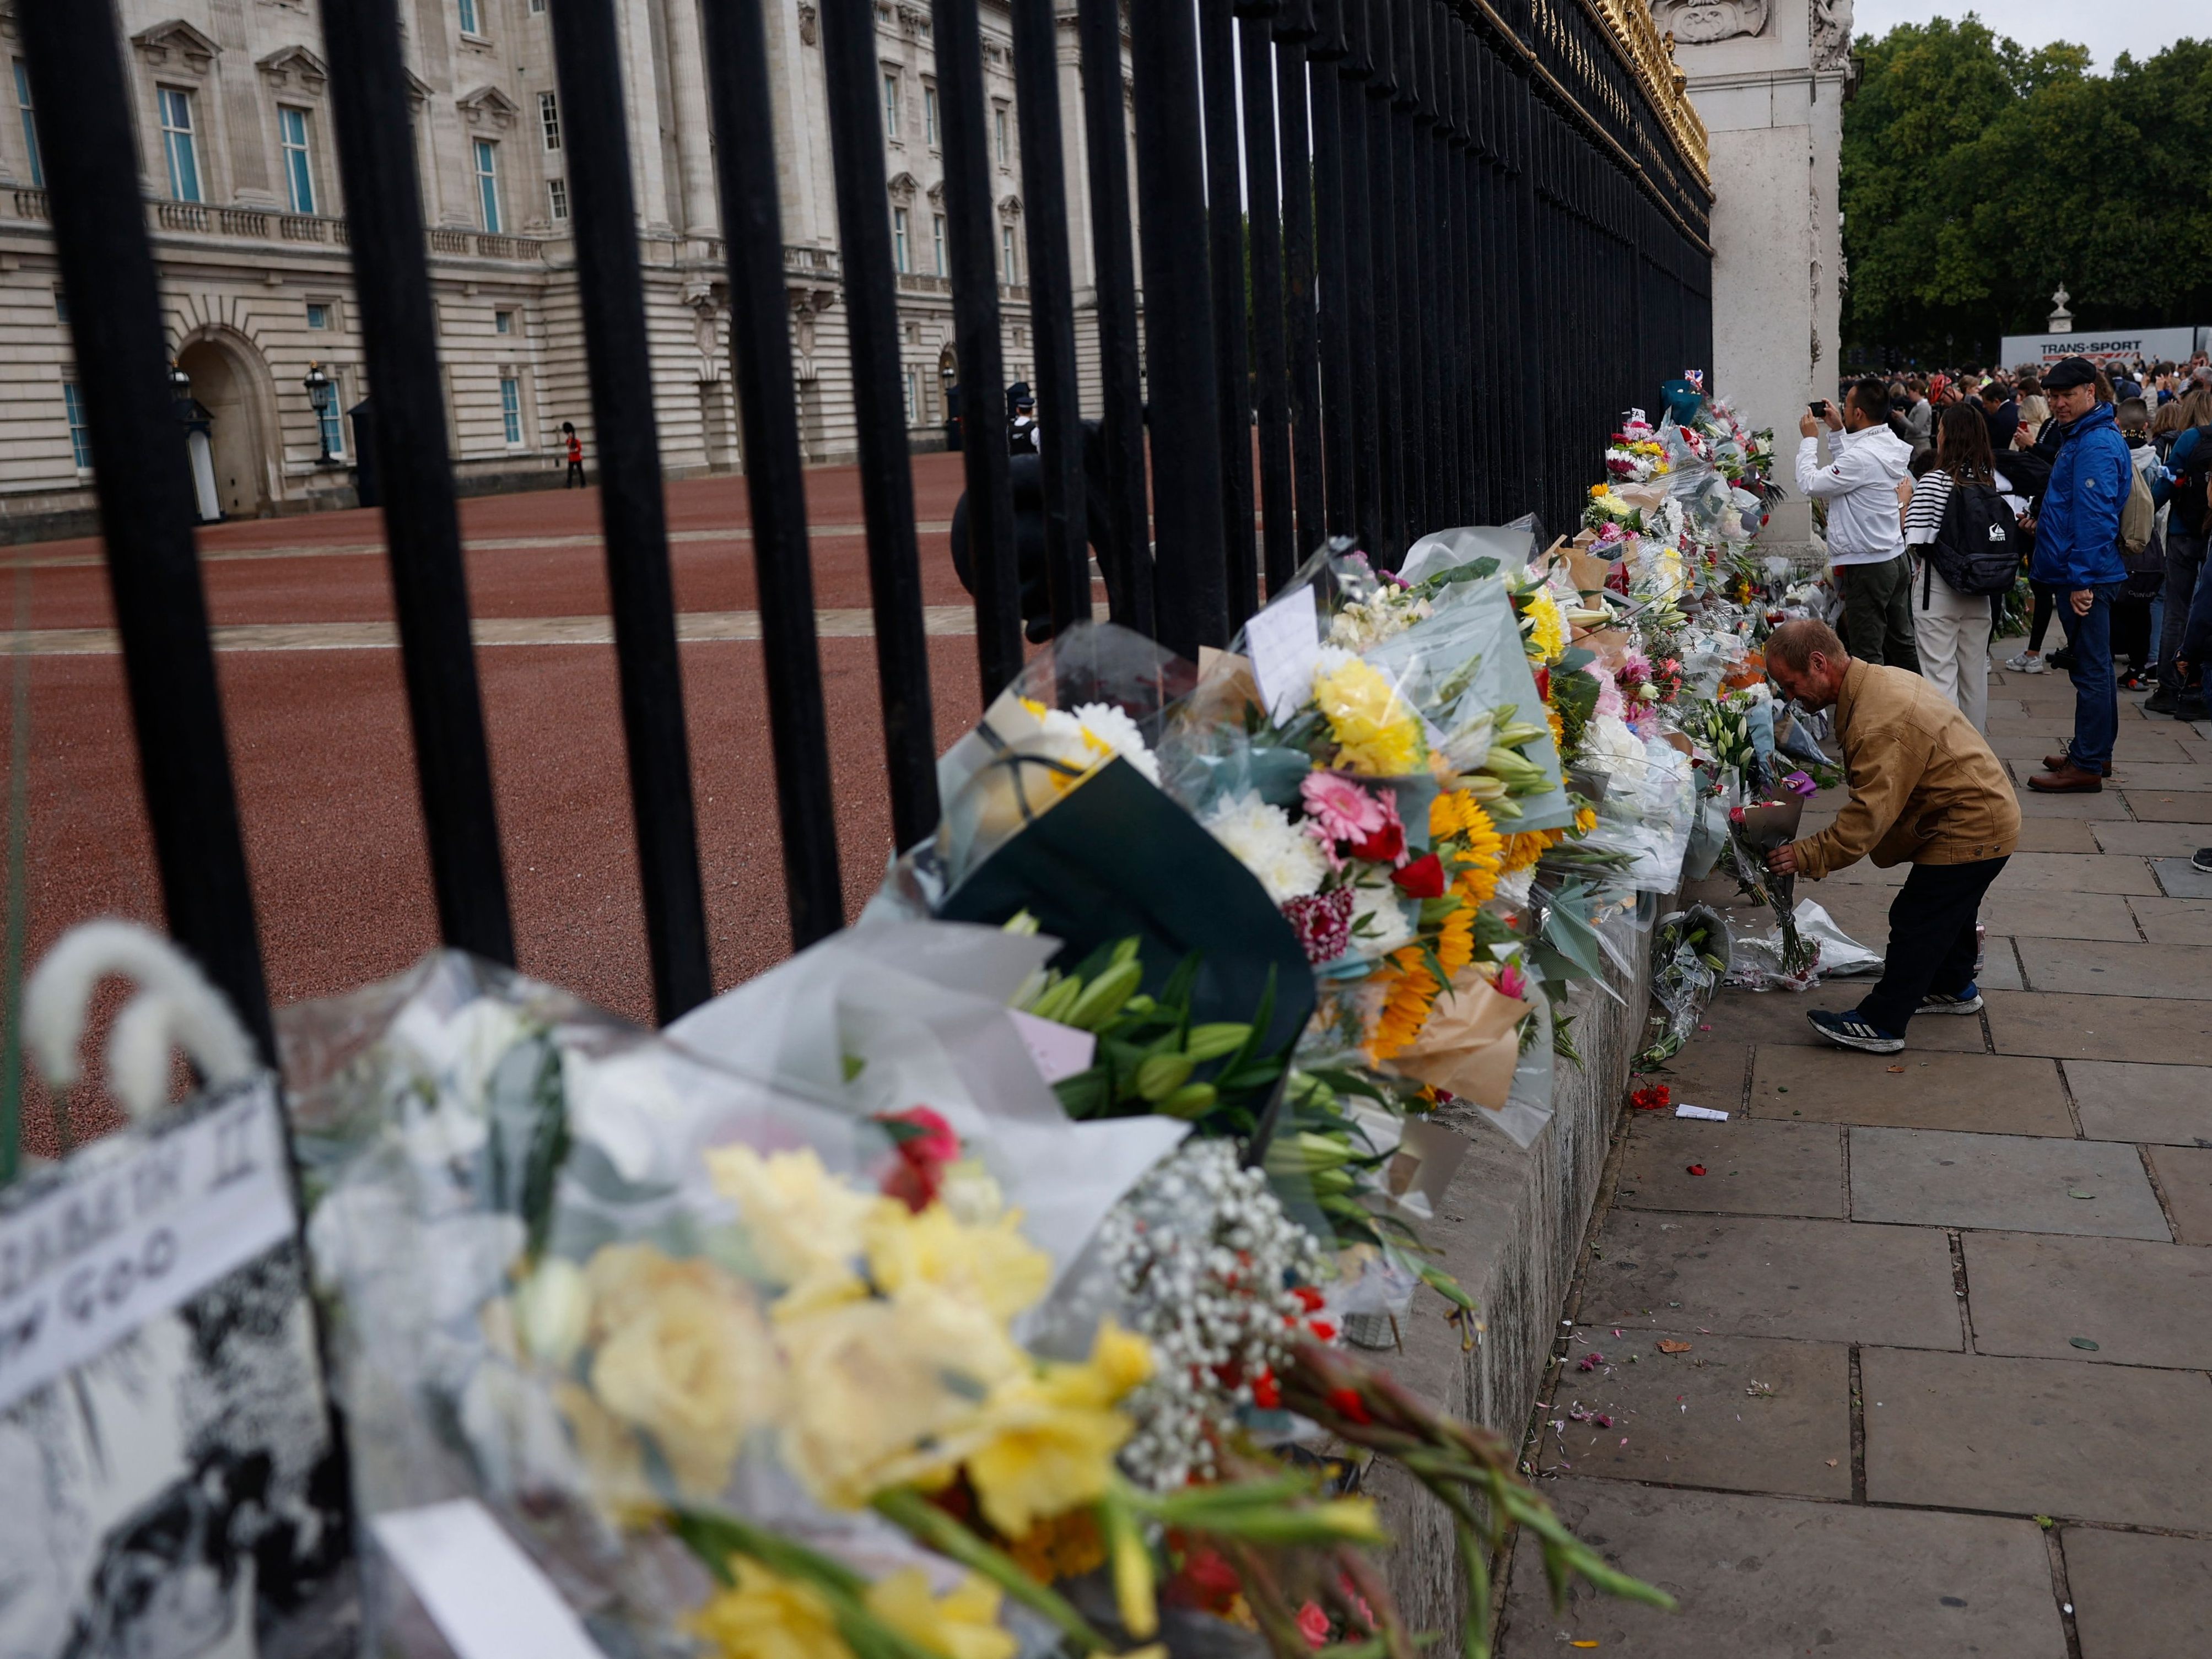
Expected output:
(1978, 175)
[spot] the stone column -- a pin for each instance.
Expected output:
(1769, 77)
(698, 213)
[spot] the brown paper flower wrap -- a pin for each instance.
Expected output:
(1470, 1044)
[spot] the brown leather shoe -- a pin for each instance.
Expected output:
(2067, 779)
(2062, 761)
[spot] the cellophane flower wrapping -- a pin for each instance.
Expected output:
(594, 1281)
(1098, 693)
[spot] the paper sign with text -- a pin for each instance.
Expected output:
(1284, 642)
(118, 1237)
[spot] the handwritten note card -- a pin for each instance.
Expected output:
(1284, 642)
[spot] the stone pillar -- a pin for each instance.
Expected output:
(1769, 77)
(699, 213)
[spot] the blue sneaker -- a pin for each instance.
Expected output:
(1848, 1030)
(1968, 1001)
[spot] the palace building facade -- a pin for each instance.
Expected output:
(247, 222)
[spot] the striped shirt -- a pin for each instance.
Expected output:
(1931, 493)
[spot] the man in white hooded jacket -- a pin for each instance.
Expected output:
(1866, 546)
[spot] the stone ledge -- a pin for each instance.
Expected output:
(1511, 1230)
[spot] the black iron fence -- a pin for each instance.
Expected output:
(1414, 255)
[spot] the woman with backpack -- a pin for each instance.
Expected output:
(1963, 536)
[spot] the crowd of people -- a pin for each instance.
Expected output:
(2092, 480)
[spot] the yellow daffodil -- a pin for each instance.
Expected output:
(993, 1266)
(1376, 734)
(964, 1623)
(767, 1616)
(1051, 1434)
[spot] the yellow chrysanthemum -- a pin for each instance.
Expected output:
(1547, 628)
(1376, 734)
(1406, 1007)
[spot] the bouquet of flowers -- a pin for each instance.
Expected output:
(1757, 829)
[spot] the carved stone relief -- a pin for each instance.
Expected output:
(1832, 34)
(1700, 22)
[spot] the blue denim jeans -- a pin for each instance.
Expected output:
(2096, 698)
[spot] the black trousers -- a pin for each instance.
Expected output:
(1931, 939)
(576, 475)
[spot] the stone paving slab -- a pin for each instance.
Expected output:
(1710, 1071)
(2142, 1304)
(1761, 1577)
(2193, 776)
(2037, 1436)
(1778, 1018)
(2075, 873)
(1864, 873)
(2162, 1029)
(2126, 1100)
(1739, 1412)
(2058, 836)
(2185, 1175)
(1985, 1094)
(1934, 1178)
(2169, 806)
(2149, 841)
(2033, 805)
(1821, 1281)
(1863, 913)
(2101, 968)
(1750, 1168)
(2137, 744)
(2000, 969)
(2180, 879)
(2137, 1593)
(2174, 921)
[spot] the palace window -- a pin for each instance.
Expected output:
(178, 144)
(510, 408)
(487, 164)
(80, 434)
(30, 126)
(292, 135)
(549, 119)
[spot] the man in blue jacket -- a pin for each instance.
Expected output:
(2077, 531)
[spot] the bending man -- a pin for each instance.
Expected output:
(1926, 789)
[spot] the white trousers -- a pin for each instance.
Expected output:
(1952, 632)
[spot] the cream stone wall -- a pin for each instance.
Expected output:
(1769, 77)
(240, 269)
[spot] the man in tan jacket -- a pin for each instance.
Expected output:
(1924, 788)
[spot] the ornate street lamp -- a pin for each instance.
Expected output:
(179, 383)
(323, 395)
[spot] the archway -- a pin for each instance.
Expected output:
(223, 382)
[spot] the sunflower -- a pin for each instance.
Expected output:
(1406, 1007)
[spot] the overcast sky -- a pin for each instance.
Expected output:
(2107, 28)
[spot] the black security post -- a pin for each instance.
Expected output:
(775, 487)
(604, 223)
(1217, 56)
(1052, 310)
(1387, 541)
(1191, 574)
(971, 219)
(146, 503)
(369, 98)
(1270, 345)
(864, 236)
(1294, 27)
(1326, 99)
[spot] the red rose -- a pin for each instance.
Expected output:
(1544, 685)
(1423, 878)
(1386, 846)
